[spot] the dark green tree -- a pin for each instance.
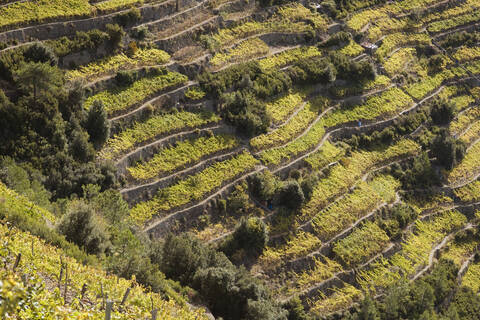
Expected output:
(83, 227)
(97, 124)
(290, 195)
(80, 148)
(37, 78)
(39, 52)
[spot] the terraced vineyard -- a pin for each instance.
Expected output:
(275, 159)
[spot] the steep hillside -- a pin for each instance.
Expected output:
(281, 160)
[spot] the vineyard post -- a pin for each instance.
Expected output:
(17, 261)
(103, 295)
(108, 310)
(60, 276)
(33, 253)
(125, 296)
(24, 279)
(61, 273)
(84, 290)
(66, 284)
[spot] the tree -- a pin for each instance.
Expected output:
(97, 124)
(83, 227)
(447, 150)
(442, 112)
(37, 78)
(290, 195)
(183, 255)
(295, 309)
(250, 235)
(80, 148)
(38, 52)
(263, 185)
(115, 34)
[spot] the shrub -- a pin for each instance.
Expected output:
(447, 150)
(97, 125)
(81, 226)
(442, 112)
(263, 185)
(125, 78)
(115, 34)
(250, 235)
(80, 148)
(38, 52)
(290, 195)
(128, 18)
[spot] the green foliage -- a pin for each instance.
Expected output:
(80, 148)
(442, 112)
(88, 40)
(25, 180)
(251, 235)
(263, 185)
(290, 195)
(246, 113)
(115, 34)
(97, 125)
(38, 79)
(295, 309)
(38, 52)
(447, 150)
(229, 292)
(128, 18)
(81, 226)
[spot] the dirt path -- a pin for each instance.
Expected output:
(431, 256)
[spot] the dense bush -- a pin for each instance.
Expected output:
(251, 236)
(83, 227)
(263, 185)
(246, 112)
(229, 292)
(457, 39)
(442, 112)
(350, 70)
(97, 125)
(44, 128)
(403, 125)
(420, 299)
(218, 83)
(115, 34)
(290, 195)
(38, 52)
(91, 39)
(128, 18)
(447, 150)
(312, 70)
(338, 39)
(395, 219)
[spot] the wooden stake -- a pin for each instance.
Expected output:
(24, 279)
(108, 310)
(17, 261)
(84, 290)
(33, 253)
(154, 314)
(103, 295)
(125, 296)
(60, 276)
(66, 284)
